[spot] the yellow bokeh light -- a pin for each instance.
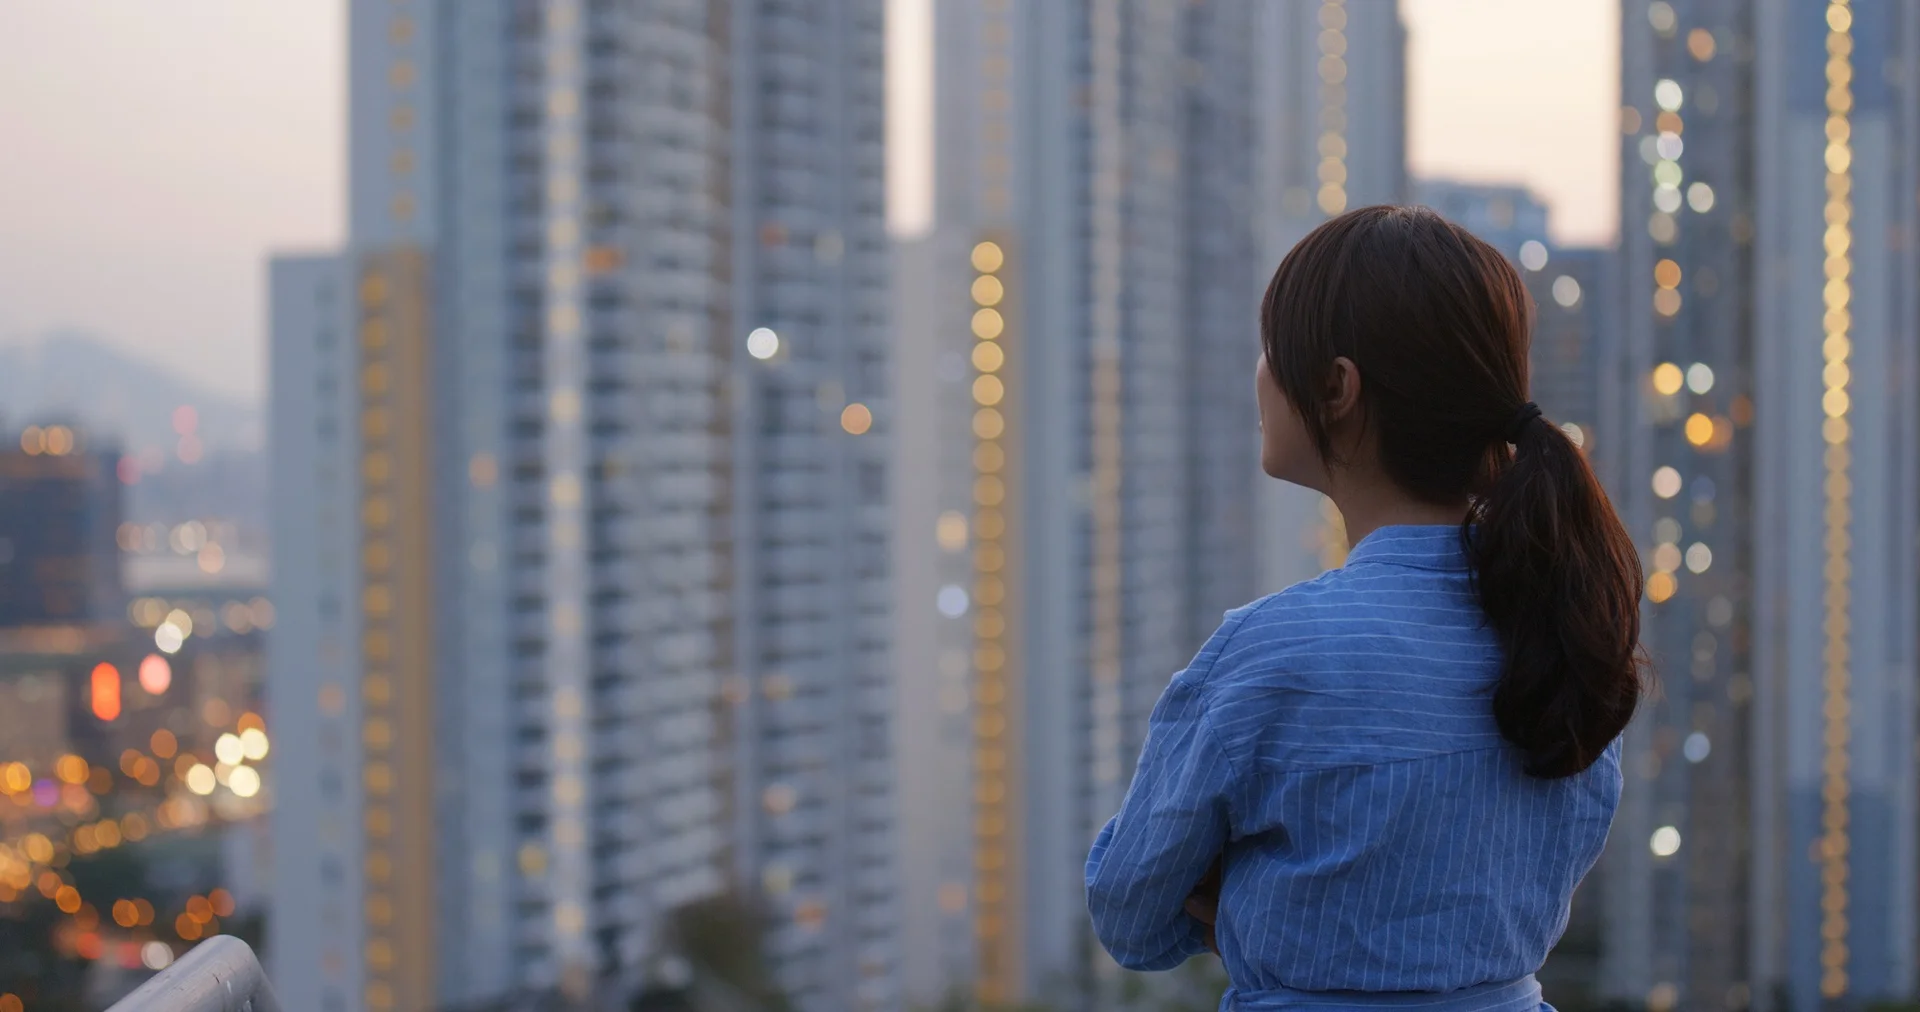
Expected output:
(988, 324)
(1700, 44)
(1837, 708)
(1666, 274)
(987, 257)
(856, 419)
(1660, 587)
(1666, 558)
(988, 424)
(987, 290)
(989, 458)
(988, 390)
(1667, 378)
(1699, 429)
(988, 357)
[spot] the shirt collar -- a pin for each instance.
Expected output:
(1422, 546)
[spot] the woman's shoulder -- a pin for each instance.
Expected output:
(1361, 602)
(1323, 633)
(1252, 637)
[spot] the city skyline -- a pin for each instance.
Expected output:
(732, 459)
(111, 202)
(586, 588)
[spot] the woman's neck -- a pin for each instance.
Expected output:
(1367, 506)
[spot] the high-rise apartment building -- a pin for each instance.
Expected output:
(1505, 215)
(1079, 329)
(1329, 92)
(579, 484)
(1575, 329)
(60, 507)
(811, 760)
(1765, 851)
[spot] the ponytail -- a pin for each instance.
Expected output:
(1438, 323)
(1559, 580)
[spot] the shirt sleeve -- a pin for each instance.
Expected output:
(1170, 828)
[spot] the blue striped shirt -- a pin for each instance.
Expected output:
(1382, 846)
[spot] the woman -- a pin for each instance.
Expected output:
(1392, 777)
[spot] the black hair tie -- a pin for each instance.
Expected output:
(1521, 419)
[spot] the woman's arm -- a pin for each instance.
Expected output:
(1171, 828)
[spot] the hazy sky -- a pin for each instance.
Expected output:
(155, 152)
(1524, 91)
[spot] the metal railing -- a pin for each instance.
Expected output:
(218, 975)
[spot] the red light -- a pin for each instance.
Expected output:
(155, 674)
(128, 470)
(106, 691)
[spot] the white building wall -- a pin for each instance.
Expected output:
(812, 757)
(313, 948)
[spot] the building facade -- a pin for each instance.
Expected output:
(1765, 852)
(1506, 216)
(1330, 93)
(579, 485)
(60, 508)
(1079, 323)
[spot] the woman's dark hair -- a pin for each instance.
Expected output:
(1437, 324)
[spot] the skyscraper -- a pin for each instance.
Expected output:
(579, 485)
(811, 761)
(1506, 216)
(1575, 329)
(1330, 119)
(1765, 851)
(1082, 319)
(59, 517)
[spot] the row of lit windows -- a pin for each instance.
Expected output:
(1332, 171)
(991, 772)
(401, 78)
(376, 552)
(996, 960)
(1835, 683)
(566, 493)
(376, 603)
(1106, 420)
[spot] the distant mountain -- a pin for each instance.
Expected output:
(109, 393)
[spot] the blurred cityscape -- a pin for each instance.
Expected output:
(651, 585)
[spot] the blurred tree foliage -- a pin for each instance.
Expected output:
(721, 943)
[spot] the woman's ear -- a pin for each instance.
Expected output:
(1341, 399)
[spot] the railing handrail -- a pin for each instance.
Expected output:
(218, 975)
